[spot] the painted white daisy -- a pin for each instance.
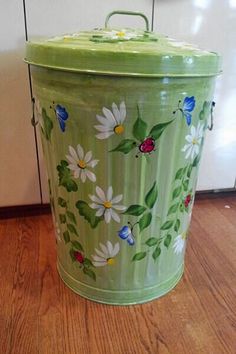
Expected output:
(38, 112)
(80, 162)
(122, 34)
(112, 122)
(106, 204)
(179, 243)
(194, 140)
(106, 254)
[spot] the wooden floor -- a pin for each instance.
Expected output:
(38, 314)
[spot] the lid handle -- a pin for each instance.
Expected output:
(129, 13)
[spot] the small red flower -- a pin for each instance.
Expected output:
(79, 257)
(187, 200)
(147, 146)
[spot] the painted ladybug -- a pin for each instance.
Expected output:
(147, 146)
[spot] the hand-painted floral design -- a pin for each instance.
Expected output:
(106, 203)
(58, 232)
(80, 163)
(194, 140)
(125, 233)
(187, 200)
(186, 108)
(107, 254)
(122, 35)
(112, 121)
(61, 115)
(38, 111)
(144, 142)
(79, 257)
(179, 243)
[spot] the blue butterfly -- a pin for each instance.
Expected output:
(62, 115)
(126, 234)
(186, 109)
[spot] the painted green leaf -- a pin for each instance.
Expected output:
(90, 273)
(72, 255)
(66, 236)
(47, 124)
(173, 209)
(62, 218)
(135, 210)
(125, 146)
(177, 225)
(88, 213)
(185, 184)
(152, 241)
(65, 179)
(72, 229)
(138, 256)
(156, 253)
(196, 161)
(139, 128)
(179, 174)
(167, 240)
(77, 245)
(189, 170)
(176, 192)
(206, 110)
(71, 217)
(61, 202)
(181, 208)
(88, 263)
(167, 225)
(158, 129)
(151, 196)
(145, 221)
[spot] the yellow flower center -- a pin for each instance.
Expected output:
(110, 261)
(81, 164)
(107, 204)
(120, 34)
(119, 129)
(184, 235)
(194, 142)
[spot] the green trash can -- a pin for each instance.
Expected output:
(123, 114)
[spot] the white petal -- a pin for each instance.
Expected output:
(100, 193)
(104, 128)
(108, 114)
(193, 131)
(117, 199)
(97, 258)
(99, 264)
(77, 173)
(116, 249)
(105, 121)
(73, 153)
(104, 135)
(109, 193)
(115, 216)
(92, 163)
(185, 148)
(122, 111)
(109, 248)
(116, 113)
(73, 167)
(189, 138)
(100, 253)
(72, 159)
(95, 206)
(88, 156)
(83, 176)
(104, 249)
(189, 151)
(80, 151)
(119, 207)
(107, 215)
(90, 175)
(95, 199)
(100, 211)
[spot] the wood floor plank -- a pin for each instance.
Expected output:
(39, 314)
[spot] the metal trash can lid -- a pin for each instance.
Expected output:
(123, 52)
